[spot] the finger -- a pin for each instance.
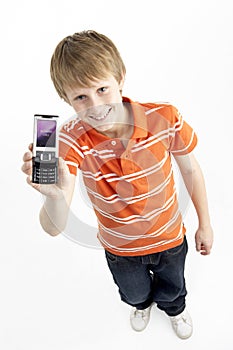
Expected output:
(204, 252)
(198, 246)
(205, 249)
(27, 168)
(63, 168)
(32, 184)
(27, 156)
(64, 173)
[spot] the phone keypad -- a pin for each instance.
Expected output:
(45, 167)
(45, 175)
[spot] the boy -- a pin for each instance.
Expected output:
(124, 151)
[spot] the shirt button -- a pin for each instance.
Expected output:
(113, 143)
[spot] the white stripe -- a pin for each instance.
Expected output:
(113, 155)
(156, 233)
(98, 152)
(72, 146)
(143, 173)
(184, 149)
(72, 163)
(153, 110)
(134, 176)
(167, 133)
(163, 103)
(153, 142)
(70, 125)
(65, 136)
(129, 200)
(138, 218)
(179, 124)
(158, 244)
(151, 138)
(104, 157)
(97, 176)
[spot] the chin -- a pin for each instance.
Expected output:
(103, 128)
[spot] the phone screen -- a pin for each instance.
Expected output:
(46, 133)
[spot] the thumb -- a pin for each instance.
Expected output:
(63, 168)
(64, 173)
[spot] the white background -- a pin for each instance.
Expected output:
(54, 293)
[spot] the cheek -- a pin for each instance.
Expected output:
(114, 98)
(77, 107)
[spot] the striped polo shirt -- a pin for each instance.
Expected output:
(132, 189)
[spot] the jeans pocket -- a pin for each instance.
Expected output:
(111, 258)
(177, 250)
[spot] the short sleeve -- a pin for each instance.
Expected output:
(183, 139)
(69, 149)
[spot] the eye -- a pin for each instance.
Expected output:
(80, 98)
(102, 89)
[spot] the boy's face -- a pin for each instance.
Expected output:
(99, 105)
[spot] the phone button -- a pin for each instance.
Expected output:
(46, 156)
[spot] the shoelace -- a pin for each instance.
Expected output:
(179, 319)
(139, 313)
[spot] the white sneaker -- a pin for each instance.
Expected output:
(139, 318)
(182, 325)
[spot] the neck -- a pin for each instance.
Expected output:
(124, 129)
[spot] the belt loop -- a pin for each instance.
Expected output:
(147, 259)
(144, 259)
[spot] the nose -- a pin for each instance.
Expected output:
(94, 101)
(94, 105)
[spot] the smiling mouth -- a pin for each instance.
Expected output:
(100, 117)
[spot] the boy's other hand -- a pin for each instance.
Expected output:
(204, 240)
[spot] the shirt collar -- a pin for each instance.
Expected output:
(139, 117)
(140, 121)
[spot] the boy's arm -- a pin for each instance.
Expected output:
(57, 197)
(55, 211)
(194, 182)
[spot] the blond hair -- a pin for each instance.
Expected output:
(82, 58)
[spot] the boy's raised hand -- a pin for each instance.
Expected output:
(54, 191)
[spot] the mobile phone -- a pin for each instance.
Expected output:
(45, 149)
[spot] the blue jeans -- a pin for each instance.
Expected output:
(157, 278)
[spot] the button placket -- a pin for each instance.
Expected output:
(116, 147)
